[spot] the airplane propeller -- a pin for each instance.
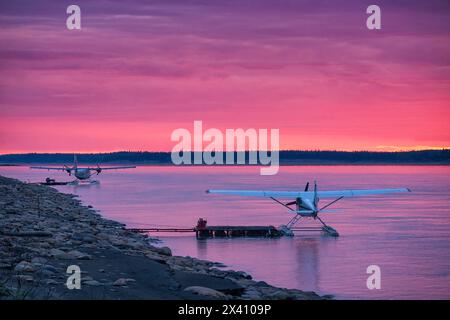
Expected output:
(316, 199)
(295, 202)
(68, 170)
(98, 169)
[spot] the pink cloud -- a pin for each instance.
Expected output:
(136, 72)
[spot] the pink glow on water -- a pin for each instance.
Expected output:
(407, 235)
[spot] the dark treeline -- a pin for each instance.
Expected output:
(286, 157)
(425, 156)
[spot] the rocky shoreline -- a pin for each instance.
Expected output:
(43, 232)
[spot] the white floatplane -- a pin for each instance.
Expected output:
(307, 202)
(82, 174)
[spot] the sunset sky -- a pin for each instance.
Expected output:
(137, 70)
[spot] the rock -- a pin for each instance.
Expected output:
(84, 237)
(262, 284)
(24, 266)
(50, 268)
(165, 251)
(123, 282)
(45, 273)
(93, 283)
(179, 261)
(87, 278)
(59, 254)
(39, 260)
(251, 294)
(156, 257)
(5, 266)
(22, 277)
(281, 295)
(218, 264)
(79, 255)
(64, 256)
(243, 274)
(204, 291)
(89, 239)
(77, 236)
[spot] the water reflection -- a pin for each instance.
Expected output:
(407, 236)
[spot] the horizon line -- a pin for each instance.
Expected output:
(282, 150)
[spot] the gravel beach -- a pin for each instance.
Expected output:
(43, 232)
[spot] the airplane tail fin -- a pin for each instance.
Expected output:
(316, 198)
(75, 161)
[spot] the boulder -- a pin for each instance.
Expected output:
(86, 278)
(39, 260)
(24, 266)
(156, 257)
(59, 254)
(50, 268)
(204, 291)
(280, 295)
(165, 251)
(251, 294)
(123, 282)
(22, 277)
(79, 255)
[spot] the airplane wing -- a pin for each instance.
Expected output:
(256, 193)
(358, 193)
(51, 168)
(307, 194)
(113, 168)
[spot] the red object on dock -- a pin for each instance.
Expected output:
(201, 224)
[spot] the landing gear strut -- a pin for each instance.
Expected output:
(287, 229)
(327, 229)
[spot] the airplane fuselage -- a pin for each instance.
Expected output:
(82, 174)
(305, 207)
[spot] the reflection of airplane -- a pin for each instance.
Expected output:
(82, 173)
(306, 202)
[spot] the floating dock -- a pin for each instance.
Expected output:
(237, 231)
(203, 231)
(52, 182)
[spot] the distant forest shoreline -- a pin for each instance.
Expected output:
(287, 157)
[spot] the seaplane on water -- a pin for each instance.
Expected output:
(307, 202)
(83, 174)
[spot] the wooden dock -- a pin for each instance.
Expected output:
(52, 182)
(237, 231)
(145, 230)
(203, 231)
